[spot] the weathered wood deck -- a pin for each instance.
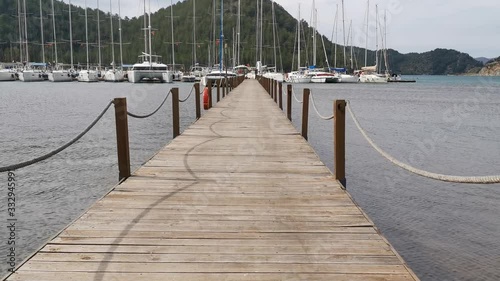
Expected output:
(240, 195)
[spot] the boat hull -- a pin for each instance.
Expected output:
(88, 76)
(137, 76)
(114, 76)
(60, 76)
(31, 76)
(7, 76)
(372, 78)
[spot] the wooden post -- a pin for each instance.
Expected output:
(289, 102)
(339, 140)
(218, 90)
(122, 144)
(280, 95)
(305, 112)
(209, 85)
(275, 91)
(175, 112)
(197, 100)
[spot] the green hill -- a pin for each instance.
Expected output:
(439, 61)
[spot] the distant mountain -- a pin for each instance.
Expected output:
(483, 59)
(438, 62)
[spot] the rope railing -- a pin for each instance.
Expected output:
(152, 113)
(183, 100)
(293, 93)
(317, 111)
(58, 150)
(420, 172)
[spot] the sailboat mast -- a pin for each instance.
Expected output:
(221, 34)
(145, 30)
(26, 32)
(112, 38)
(70, 35)
(274, 36)
(41, 33)
(261, 29)
(352, 51)
(298, 40)
(20, 31)
(99, 36)
(343, 30)
(120, 29)
(54, 27)
(336, 35)
(314, 32)
(366, 38)
(172, 31)
(257, 34)
(376, 37)
(194, 32)
(385, 43)
(238, 37)
(149, 31)
(86, 35)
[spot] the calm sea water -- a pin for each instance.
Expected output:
(448, 125)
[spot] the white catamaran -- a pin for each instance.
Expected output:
(147, 70)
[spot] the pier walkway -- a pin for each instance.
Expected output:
(240, 195)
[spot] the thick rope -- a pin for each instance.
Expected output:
(150, 114)
(188, 95)
(56, 151)
(441, 177)
(293, 93)
(316, 109)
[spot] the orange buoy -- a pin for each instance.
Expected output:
(206, 98)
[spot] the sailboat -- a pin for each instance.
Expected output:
(32, 72)
(343, 76)
(222, 72)
(113, 74)
(369, 74)
(299, 76)
(193, 74)
(57, 74)
(147, 69)
(87, 75)
(271, 72)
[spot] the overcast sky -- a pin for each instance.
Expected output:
(412, 25)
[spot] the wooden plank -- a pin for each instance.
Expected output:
(238, 196)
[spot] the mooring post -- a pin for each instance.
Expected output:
(305, 112)
(280, 95)
(339, 140)
(197, 100)
(218, 89)
(175, 112)
(275, 84)
(122, 143)
(289, 102)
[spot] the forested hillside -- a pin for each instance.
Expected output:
(439, 61)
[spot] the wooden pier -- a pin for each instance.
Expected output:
(239, 195)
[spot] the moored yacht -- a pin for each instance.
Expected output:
(7, 74)
(148, 71)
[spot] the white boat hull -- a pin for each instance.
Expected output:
(298, 79)
(346, 78)
(31, 76)
(136, 76)
(372, 78)
(274, 75)
(7, 75)
(88, 76)
(60, 76)
(114, 76)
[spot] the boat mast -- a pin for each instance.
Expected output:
(376, 38)
(41, 33)
(70, 35)
(149, 31)
(221, 43)
(366, 39)
(26, 32)
(86, 35)
(20, 31)
(298, 40)
(336, 35)
(172, 29)
(343, 30)
(120, 29)
(145, 30)
(54, 26)
(261, 30)
(385, 43)
(314, 32)
(112, 38)
(98, 36)
(194, 32)
(257, 35)
(274, 37)
(238, 38)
